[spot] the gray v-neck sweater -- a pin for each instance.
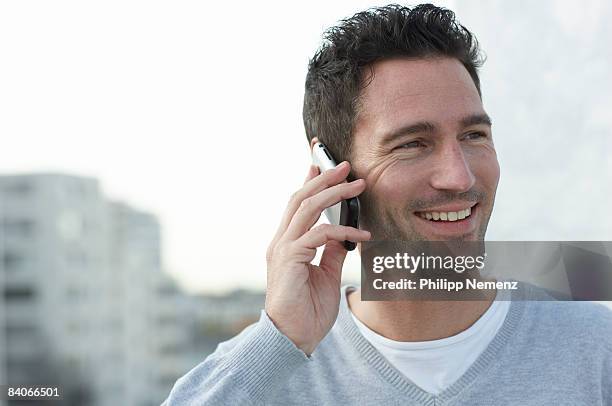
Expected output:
(545, 353)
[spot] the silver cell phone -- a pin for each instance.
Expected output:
(346, 212)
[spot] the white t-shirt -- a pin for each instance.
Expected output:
(435, 365)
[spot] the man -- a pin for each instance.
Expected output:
(395, 91)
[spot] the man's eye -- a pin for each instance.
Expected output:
(412, 144)
(475, 135)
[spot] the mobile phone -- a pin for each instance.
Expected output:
(346, 212)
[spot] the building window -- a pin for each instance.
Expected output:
(18, 189)
(11, 260)
(19, 293)
(18, 227)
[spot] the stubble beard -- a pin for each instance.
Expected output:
(386, 224)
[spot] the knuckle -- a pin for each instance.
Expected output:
(343, 232)
(323, 228)
(347, 187)
(306, 203)
(341, 188)
(328, 182)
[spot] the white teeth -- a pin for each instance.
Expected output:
(446, 216)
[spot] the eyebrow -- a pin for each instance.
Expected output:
(429, 127)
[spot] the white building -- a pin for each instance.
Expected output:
(155, 333)
(55, 248)
(87, 305)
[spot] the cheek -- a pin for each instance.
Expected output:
(394, 182)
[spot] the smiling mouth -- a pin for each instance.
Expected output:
(446, 216)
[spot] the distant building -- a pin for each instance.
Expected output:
(151, 308)
(85, 303)
(85, 299)
(55, 248)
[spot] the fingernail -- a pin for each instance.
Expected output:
(342, 164)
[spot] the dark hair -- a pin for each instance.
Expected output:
(336, 73)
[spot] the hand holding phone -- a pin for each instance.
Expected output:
(302, 298)
(345, 213)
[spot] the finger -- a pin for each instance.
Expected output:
(311, 207)
(313, 171)
(310, 188)
(333, 258)
(324, 233)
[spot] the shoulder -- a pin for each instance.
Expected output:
(594, 318)
(580, 323)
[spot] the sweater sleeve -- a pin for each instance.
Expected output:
(242, 370)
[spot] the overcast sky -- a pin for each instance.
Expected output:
(192, 110)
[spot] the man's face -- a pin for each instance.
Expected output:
(422, 142)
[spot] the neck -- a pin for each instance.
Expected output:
(418, 320)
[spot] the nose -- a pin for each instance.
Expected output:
(451, 171)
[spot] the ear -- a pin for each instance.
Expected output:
(313, 142)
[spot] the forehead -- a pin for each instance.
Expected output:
(439, 90)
